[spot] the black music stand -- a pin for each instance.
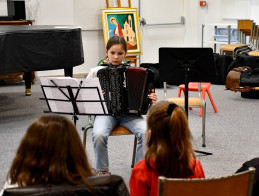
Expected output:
(72, 96)
(184, 65)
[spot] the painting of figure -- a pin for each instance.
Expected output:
(122, 22)
(117, 29)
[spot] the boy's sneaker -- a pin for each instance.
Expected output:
(102, 173)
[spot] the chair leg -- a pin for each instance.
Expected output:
(212, 102)
(179, 92)
(85, 134)
(203, 124)
(203, 97)
(134, 152)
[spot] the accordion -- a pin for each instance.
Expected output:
(126, 88)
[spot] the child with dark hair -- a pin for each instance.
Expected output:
(116, 50)
(51, 152)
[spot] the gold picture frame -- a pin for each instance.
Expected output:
(123, 22)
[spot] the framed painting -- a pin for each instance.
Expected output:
(123, 22)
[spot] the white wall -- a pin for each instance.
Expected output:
(156, 36)
(3, 8)
(187, 35)
(152, 37)
(56, 12)
(227, 12)
(254, 10)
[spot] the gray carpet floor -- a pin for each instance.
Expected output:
(232, 134)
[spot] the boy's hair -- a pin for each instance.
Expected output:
(117, 40)
(169, 146)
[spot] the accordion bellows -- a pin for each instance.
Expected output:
(126, 88)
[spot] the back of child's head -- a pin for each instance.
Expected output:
(168, 126)
(114, 40)
(169, 142)
(51, 152)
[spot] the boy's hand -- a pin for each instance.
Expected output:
(152, 96)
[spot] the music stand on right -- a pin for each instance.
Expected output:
(184, 65)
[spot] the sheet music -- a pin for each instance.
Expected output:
(85, 94)
(91, 94)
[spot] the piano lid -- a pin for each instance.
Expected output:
(36, 28)
(25, 48)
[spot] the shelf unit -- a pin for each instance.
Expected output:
(228, 26)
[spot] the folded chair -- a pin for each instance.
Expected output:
(117, 131)
(240, 184)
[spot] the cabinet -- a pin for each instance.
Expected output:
(218, 34)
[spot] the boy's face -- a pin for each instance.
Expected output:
(116, 54)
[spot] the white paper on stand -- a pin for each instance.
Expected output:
(91, 102)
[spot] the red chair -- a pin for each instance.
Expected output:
(205, 87)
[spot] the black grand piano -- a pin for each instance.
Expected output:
(39, 47)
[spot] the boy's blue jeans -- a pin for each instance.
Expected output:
(103, 125)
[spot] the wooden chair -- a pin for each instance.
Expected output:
(193, 102)
(205, 87)
(244, 29)
(254, 53)
(117, 131)
(252, 39)
(132, 60)
(240, 184)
